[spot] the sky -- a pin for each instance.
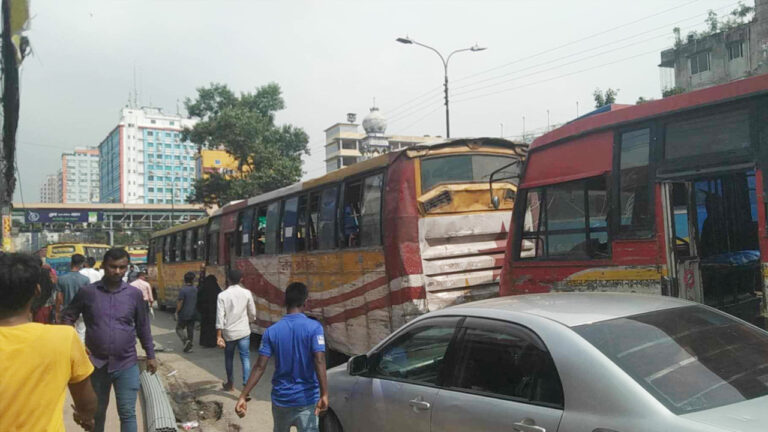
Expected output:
(543, 61)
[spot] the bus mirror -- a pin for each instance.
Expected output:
(495, 202)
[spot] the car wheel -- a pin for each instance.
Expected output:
(330, 423)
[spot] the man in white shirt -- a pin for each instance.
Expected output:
(88, 271)
(235, 310)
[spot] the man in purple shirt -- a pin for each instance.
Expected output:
(114, 314)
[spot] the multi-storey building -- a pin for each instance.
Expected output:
(144, 160)
(209, 161)
(78, 180)
(345, 145)
(49, 190)
(737, 52)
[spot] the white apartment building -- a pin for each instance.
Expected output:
(78, 180)
(49, 190)
(143, 160)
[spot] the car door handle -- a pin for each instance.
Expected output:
(419, 404)
(527, 425)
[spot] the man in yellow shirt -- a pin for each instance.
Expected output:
(37, 362)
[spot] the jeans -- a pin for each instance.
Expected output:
(126, 384)
(303, 417)
(244, 346)
(189, 325)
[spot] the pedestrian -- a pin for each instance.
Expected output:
(146, 290)
(206, 305)
(114, 313)
(235, 310)
(37, 362)
(299, 383)
(43, 305)
(89, 271)
(186, 306)
(133, 273)
(67, 287)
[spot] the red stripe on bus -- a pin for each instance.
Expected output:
(396, 298)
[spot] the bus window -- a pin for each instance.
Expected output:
(271, 230)
(167, 248)
(635, 210)
(313, 224)
(573, 223)
(244, 229)
(259, 230)
(288, 225)
(213, 247)
(301, 225)
(188, 245)
(463, 169)
(350, 220)
(327, 219)
(370, 219)
(721, 132)
(179, 246)
(151, 252)
(200, 243)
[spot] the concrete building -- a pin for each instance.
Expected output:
(78, 180)
(143, 160)
(49, 190)
(346, 145)
(210, 161)
(721, 57)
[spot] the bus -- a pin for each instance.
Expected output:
(59, 255)
(666, 197)
(377, 243)
(172, 253)
(138, 254)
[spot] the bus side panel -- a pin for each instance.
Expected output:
(171, 279)
(762, 232)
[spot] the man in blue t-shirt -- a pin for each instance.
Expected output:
(299, 385)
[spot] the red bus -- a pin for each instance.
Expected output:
(378, 242)
(666, 197)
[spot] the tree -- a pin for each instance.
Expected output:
(603, 99)
(712, 21)
(268, 155)
(671, 91)
(642, 100)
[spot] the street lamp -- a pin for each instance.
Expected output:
(408, 41)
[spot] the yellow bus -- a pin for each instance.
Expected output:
(58, 255)
(172, 253)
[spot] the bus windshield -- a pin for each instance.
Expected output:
(464, 168)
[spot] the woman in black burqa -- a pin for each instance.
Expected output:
(206, 305)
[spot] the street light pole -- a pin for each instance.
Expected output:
(406, 40)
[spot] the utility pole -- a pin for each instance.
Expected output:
(10, 101)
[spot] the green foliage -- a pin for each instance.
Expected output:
(268, 155)
(735, 18)
(643, 99)
(603, 99)
(671, 91)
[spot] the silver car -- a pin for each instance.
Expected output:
(594, 362)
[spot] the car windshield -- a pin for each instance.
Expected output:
(464, 168)
(690, 358)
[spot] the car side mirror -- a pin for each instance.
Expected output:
(495, 202)
(357, 365)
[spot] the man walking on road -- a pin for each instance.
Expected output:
(89, 271)
(235, 310)
(67, 286)
(146, 290)
(299, 384)
(186, 306)
(114, 313)
(37, 362)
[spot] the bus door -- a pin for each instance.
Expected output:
(683, 261)
(713, 242)
(230, 242)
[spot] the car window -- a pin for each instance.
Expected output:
(502, 359)
(419, 354)
(690, 359)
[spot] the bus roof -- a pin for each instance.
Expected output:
(192, 224)
(417, 150)
(621, 115)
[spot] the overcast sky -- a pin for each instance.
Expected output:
(334, 57)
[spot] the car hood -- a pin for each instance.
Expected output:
(747, 416)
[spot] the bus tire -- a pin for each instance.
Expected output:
(330, 423)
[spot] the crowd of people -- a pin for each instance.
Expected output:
(93, 350)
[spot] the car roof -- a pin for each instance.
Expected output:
(571, 309)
